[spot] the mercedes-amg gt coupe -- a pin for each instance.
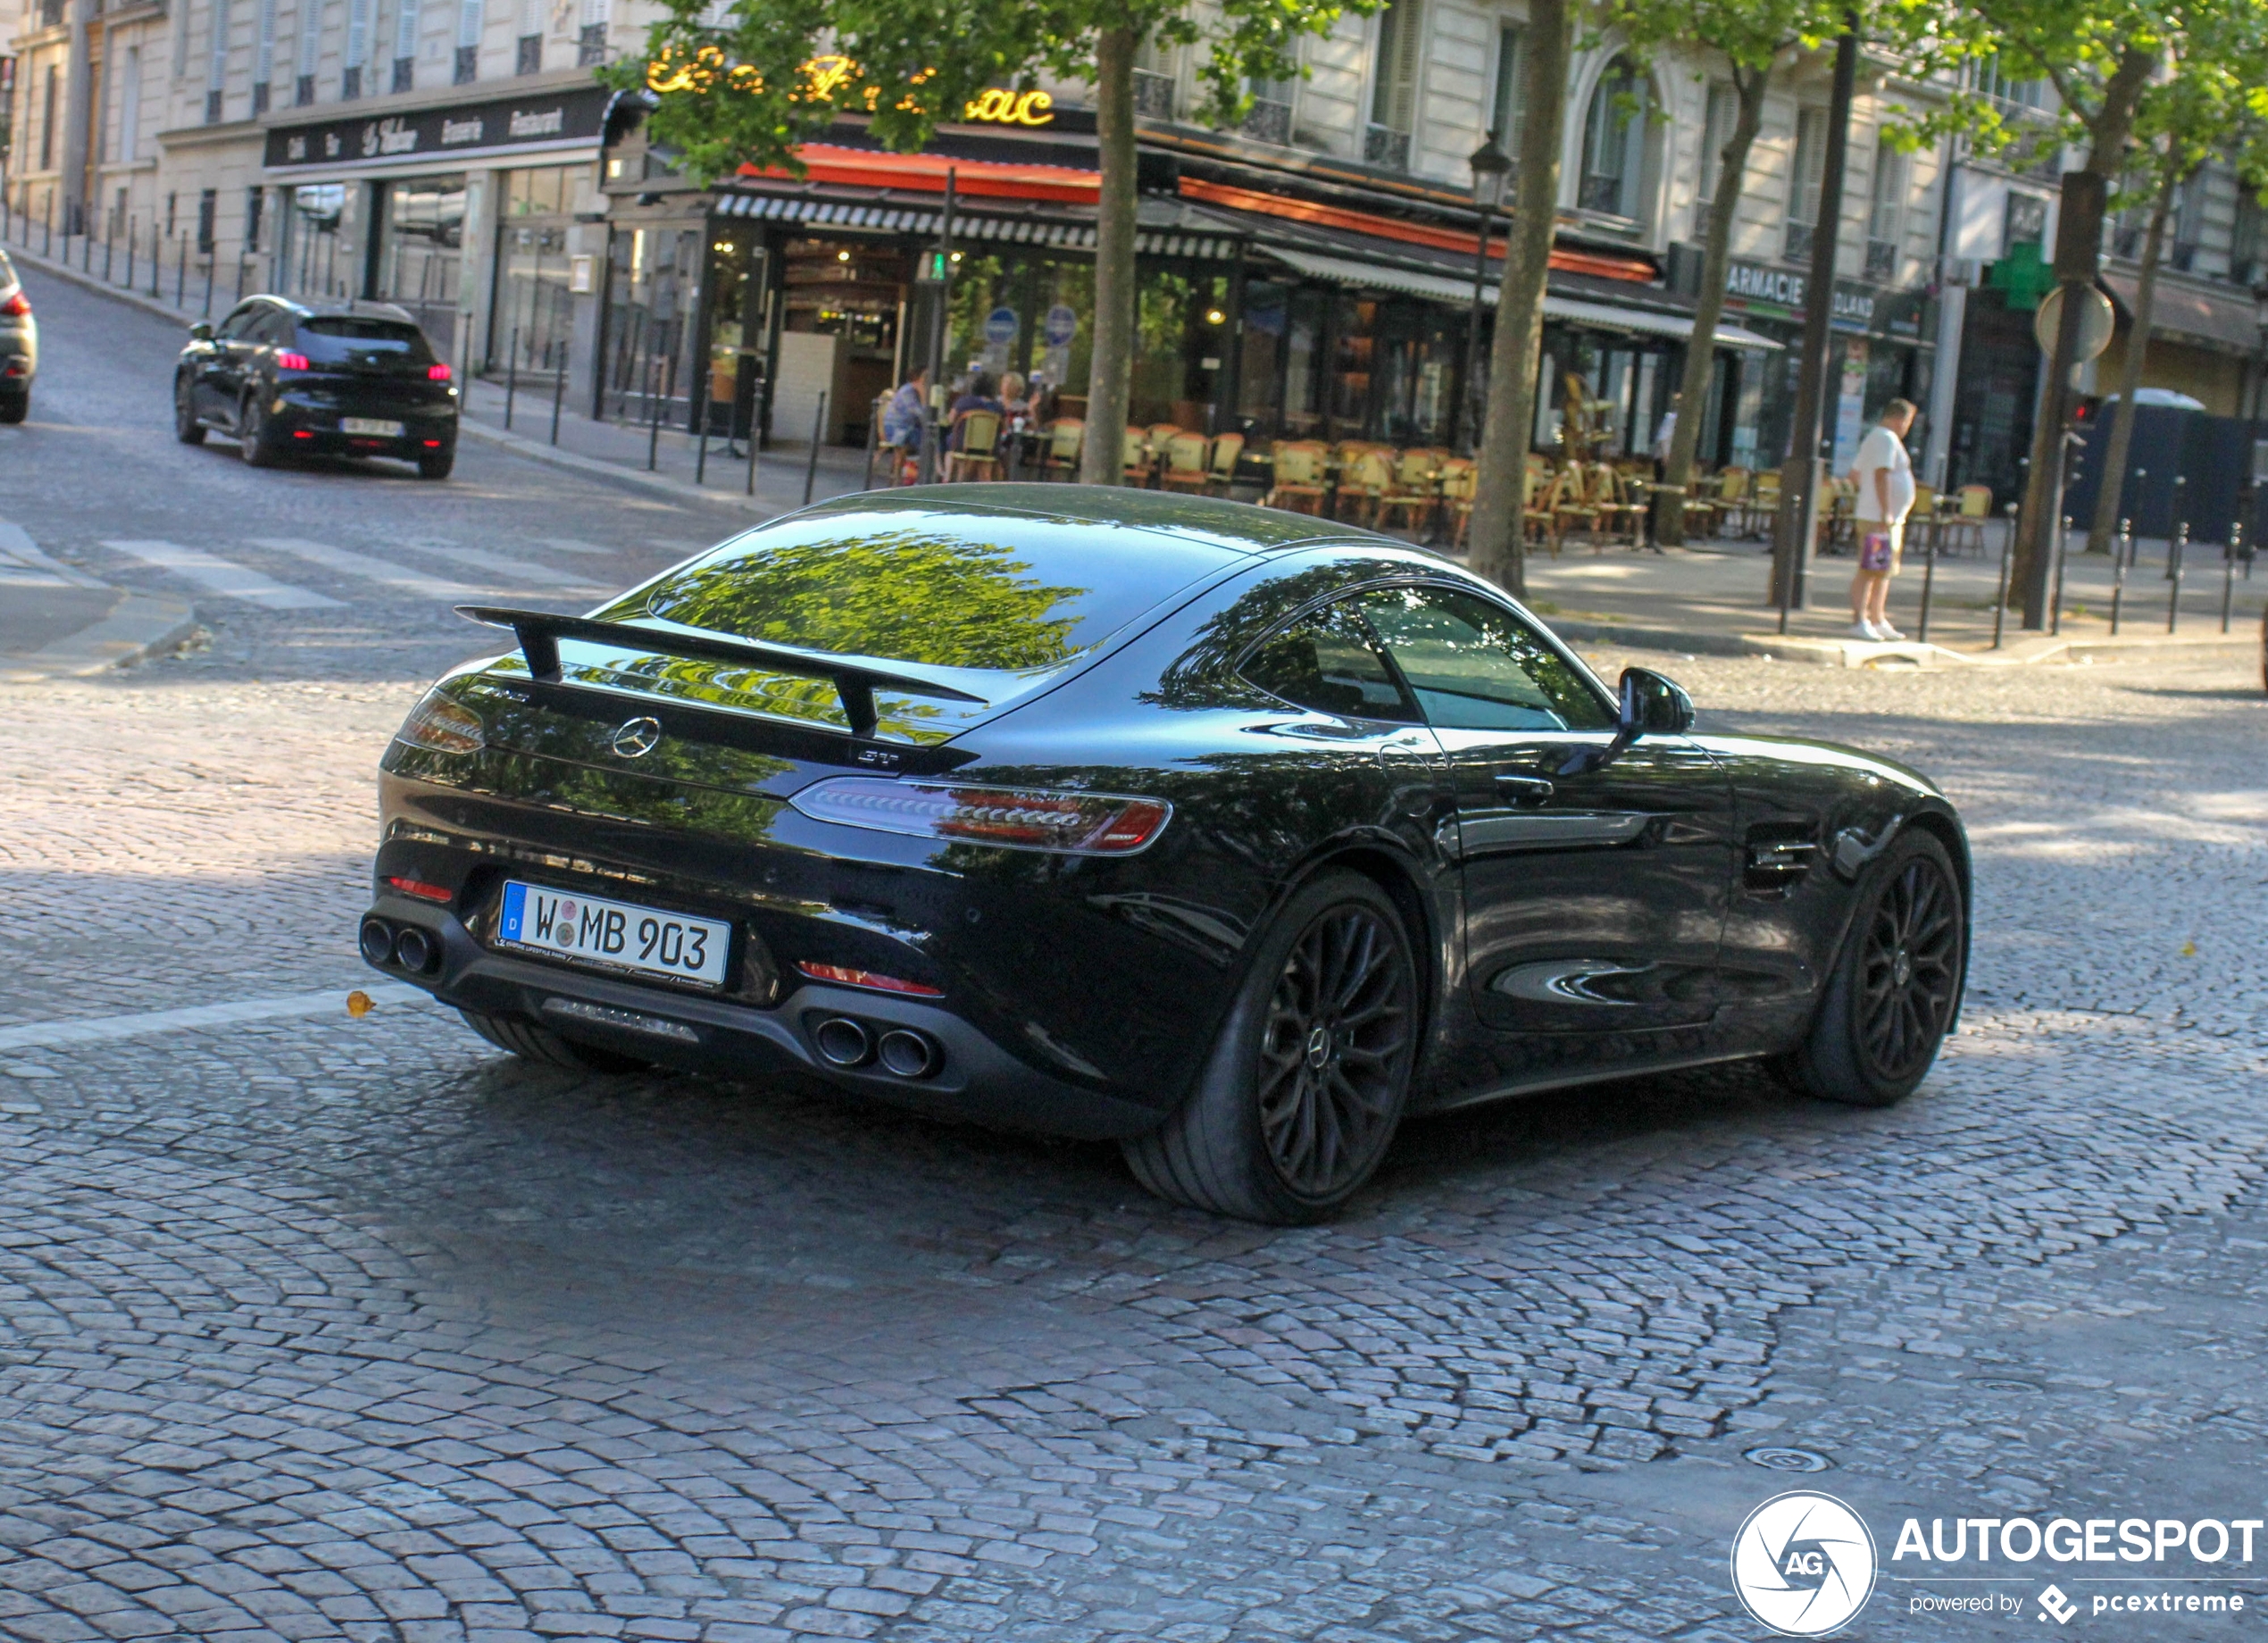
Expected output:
(1232, 835)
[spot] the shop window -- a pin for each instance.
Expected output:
(1354, 352)
(308, 261)
(1416, 352)
(1180, 336)
(422, 239)
(208, 211)
(1614, 143)
(530, 322)
(1304, 364)
(648, 323)
(1805, 179)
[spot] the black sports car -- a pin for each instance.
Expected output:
(291, 378)
(1233, 835)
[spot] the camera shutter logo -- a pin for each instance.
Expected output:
(1804, 1563)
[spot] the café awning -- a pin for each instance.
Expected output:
(1441, 289)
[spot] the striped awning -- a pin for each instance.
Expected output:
(923, 221)
(1441, 289)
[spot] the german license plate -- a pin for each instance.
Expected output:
(376, 425)
(614, 934)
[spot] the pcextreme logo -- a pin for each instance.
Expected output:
(1803, 1563)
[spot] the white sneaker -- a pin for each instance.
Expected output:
(1865, 631)
(1884, 631)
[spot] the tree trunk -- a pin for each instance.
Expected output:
(2111, 495)
(1102, 458)
(1497, 551)
(1700, 348)
(2078, 248)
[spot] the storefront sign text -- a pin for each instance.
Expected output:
(835, 80)
(576, 114)
(1758, 288)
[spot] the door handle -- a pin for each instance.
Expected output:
(1524, 790)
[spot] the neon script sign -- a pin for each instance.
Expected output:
(827, 80)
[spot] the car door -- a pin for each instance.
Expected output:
(1594, 893)
(220, 370)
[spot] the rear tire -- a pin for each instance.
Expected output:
(15, 407)
(187, 429)
(1890, 997)
(253, 443)
(1306, 1081)
(436, 467)
(530, 1042)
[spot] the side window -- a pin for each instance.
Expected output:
(1328, 661)
(1475, 666)
(275, 328)
(239, 324)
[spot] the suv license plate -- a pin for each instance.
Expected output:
(614, 934)
(376, 425)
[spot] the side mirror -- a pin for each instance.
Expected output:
(1652, 705)
(201, 331)
(1645, 704)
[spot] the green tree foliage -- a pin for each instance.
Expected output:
(748, 86)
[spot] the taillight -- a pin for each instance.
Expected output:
(419, 888)
(437, 373)
(440, 726)
(286, 360)
(844, 976)
(16, 307)
(1013, 818)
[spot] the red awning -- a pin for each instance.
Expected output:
(925, 173)
(1598, 264)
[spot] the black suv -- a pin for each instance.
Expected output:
(345, 378)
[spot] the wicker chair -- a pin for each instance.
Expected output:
(1460, 479)
(1540, 511)
(1580, 506)
(1184, 464)
(1066, 436)
(1136, 461)
(1222, 475)
(974, 453)
(1299, 485)
(1415, 489)
(1621, 518)
(1967, 522)
(1364, 479)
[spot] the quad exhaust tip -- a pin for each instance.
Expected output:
(406, 948)
(900, 1051)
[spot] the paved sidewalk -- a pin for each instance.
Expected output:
(57, 621)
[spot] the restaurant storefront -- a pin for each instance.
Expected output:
(458, 212)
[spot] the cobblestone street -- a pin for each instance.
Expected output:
(321, 1327)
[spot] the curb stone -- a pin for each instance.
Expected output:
(139, 626)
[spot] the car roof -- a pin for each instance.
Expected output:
(1236, 526)
(361, 308)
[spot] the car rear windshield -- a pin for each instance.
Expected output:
(349, 339)
(991, 602)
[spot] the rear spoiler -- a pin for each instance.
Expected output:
(540, 631)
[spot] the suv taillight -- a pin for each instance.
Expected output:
(437, 373)
(16, 307)
(288, 361)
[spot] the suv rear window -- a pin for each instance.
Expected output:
(348, 339)
(936, 585)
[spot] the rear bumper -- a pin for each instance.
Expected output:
(302, 426)
(973, 1078)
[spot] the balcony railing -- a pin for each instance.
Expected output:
(1386, 148)
(1153, 95)
(1798, 248)
(1881, 261)
(259, 98)
(531, 60)
(1270, 122)
(213, 107)
(302, 91)
(590, 46)
(467, 68)
(350, 83)
(405, 73)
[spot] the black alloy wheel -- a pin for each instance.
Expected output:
(187, 429)
(1890, 998)
(1338, 1026)
(253, 443)
(1309, 1074)
(1909, 969)
(436, 465)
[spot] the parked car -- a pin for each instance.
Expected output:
(1230, 834)
(339, 379)
(19, 345)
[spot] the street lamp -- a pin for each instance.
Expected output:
(1490, 166)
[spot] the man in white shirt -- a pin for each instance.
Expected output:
(1884, 476)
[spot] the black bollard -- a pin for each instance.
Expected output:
(2174, 553)
(558, 388)
(511, 378)
(2121, 554)
(2229, 573)
(1929, 580)
(2000, 595)
(810, 462)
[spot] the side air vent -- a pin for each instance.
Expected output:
(1778, 854)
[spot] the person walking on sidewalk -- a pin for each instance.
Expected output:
(1884, 475)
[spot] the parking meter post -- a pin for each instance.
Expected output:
(701, 424)
(811, 460)
(1928, 582)
(2175, 551)
(2121, 554)
(2000, 593)
(2228, 573)
(558, 390)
